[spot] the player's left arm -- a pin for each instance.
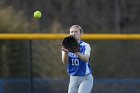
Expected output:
(85, 57)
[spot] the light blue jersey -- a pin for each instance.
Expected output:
(77, 67)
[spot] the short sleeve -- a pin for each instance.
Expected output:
(87, 49)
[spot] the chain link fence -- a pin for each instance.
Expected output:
(115, 67)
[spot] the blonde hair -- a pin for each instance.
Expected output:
(79, 27)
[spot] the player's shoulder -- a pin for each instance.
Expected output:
(84, 43)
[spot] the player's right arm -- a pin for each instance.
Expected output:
(64, 55)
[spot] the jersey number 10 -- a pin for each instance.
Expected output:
(75, 62)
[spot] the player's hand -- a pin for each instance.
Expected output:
(64, 49)
(70, 44)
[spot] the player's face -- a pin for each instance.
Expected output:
(75, 32)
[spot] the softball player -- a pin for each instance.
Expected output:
(79, 69)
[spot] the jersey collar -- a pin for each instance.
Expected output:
(81, 42)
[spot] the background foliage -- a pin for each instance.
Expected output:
(119, 59)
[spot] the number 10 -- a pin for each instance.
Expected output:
(75, 62)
